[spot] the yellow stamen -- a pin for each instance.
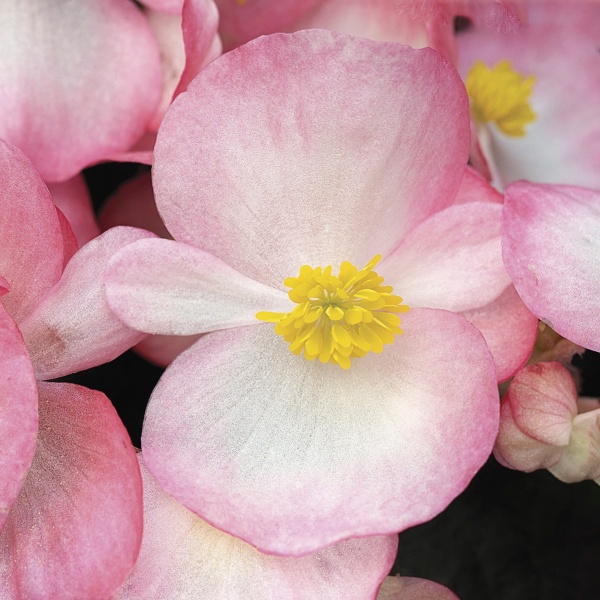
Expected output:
(338, 317)
(501, 96)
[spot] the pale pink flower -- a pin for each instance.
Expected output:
(413, 588)
(315, 148)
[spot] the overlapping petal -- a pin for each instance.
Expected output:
(75, 530)
(184, 558)
(452, 260)
(312, 454)
(306, 152)
(84, 90)
(18, 413)
(31, 259)
(551, 249)
(162, 286)
(73, 328)
(413, 588)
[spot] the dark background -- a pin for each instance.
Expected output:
(509, 536)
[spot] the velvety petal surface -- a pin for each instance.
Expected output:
(413, 588)
(162, 286)
(76, 528)
(558, 44)
(293, 455)
(73, 328)
(453, 260)
(269, 166)
(18, 413)
(509, 329)
(551, 248)
(73, 199)
(31, 259)
(184, 558)
(84, 90)
(162, 350)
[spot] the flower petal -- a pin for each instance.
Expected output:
(18, 413)
(551, 248)
(453, 260)
(73, 328)
(84, 90)
(75, 530)
(162, 286)
(269, 168)
(413, 588)
(184, 557)
(31, 259)
(509, 329)
(73, 199)
(293, 455)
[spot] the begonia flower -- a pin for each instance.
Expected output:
(540, 427)
(316, 149)
(555, 56)
(551, 248)
(74, 529)
(183, 557)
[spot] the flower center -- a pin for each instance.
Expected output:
(500, 95)
(338, 317)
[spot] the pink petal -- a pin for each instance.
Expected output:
(536, 417)
(332, 160)
(162, 286)
(413, 588)
(18, 413)
(70, 245)
(133, 204)
(551, 249)
(167, 6)
(509, 330)
(242, 22)
(293, 456)
(73, 199)
(162, 350)
(184, 557)
(453, 260)
(84, 90)
(76, 528)
(31, 259)
(73, 328)
(558, 43)
(383, 21)
(474, 187)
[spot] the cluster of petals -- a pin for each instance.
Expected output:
(360, 149)
(67, 467)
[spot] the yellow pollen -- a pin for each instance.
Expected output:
(338, 317)
(501, 96)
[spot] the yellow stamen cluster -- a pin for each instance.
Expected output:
(338, 317)
(501, 96)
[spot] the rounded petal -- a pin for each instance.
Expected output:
(453, 260)
(413, 588)
(475, 188)
(18, 413)
(184, 558)
(73, 328)
(73, 199)
(509, 329)
(557, 44)
(293, 455)
(76, 528)
(162, 286)
(31, 259)
(162, 350)
(84, 90)
(551, 248)
(269, 168)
